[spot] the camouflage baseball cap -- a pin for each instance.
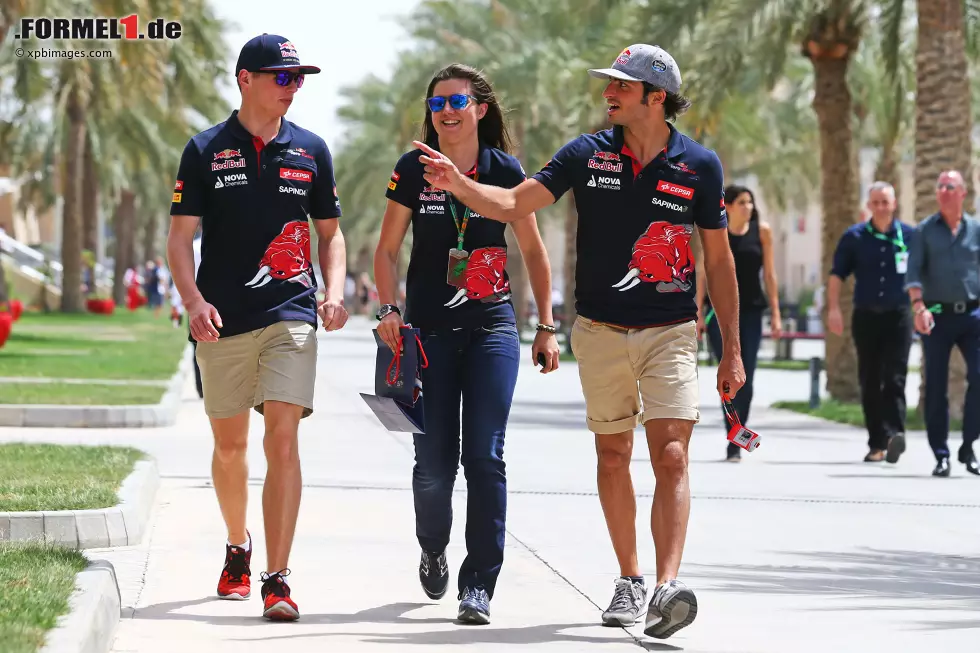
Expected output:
(644, 63)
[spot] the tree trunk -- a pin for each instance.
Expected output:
(90, 212)
(571, 257)
(150, 236)
(71, 233)
(942, 127)
(125, 228)
(840, 200)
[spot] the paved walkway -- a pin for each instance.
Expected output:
(799, 548)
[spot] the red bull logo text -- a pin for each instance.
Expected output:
(662, 255)
(605, 166)
(675, 189)
(287, 258)
(484, 277)
(295, 175)
(431, 194)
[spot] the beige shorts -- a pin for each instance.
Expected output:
(276, 363)
(620, 367)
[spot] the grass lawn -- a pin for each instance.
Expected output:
(54, 477)
(124, 345)
(79, 394)
(847, 413)
(36, 581)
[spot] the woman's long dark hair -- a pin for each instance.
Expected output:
(491, 129)
(731, 194)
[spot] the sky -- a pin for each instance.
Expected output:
(348, 41)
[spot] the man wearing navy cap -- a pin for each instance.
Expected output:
(253, 183)
(640, 189)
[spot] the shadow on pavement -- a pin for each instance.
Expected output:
(394, 613)
(463, 635)
(914, 576)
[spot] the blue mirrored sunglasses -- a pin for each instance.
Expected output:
(457, 101)
(286, 77)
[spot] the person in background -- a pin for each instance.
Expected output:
(876, 253)
(750, 240)
(459, 297)
(943, 282)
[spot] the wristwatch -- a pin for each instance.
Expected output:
(386, 309)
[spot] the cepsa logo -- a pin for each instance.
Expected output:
(96, 29)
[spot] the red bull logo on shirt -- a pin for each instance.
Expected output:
(606, 156)
(287, 258)
(229, 159)
(227, 154)
(483, 278)
(662, 255)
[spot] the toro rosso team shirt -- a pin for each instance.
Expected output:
(255, 202)
(635, 265)
(482, 292)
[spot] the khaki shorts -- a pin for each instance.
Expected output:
(276, 363)
(620, 367)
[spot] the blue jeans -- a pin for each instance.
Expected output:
(478, 366)
(963, 331)
(750, 339)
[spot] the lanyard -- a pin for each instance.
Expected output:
(898, 242)
(461, 229)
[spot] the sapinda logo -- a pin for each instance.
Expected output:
(675, 189)
(295, 175)
(669, 205)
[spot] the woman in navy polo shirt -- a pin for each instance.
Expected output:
(458, 295)
(751, 243)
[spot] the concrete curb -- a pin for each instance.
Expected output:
(121, 525)
(94, 612)
(50, 415)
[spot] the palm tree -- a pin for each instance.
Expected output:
(746, 35)
(943, 123)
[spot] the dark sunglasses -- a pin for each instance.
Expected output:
(949, 187)
(457, 101)
(286, 77)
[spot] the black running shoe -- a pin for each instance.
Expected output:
(434, 574)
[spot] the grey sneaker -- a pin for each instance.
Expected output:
(627, 603)
(672, 607)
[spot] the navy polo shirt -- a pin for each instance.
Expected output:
(635, 265)
(255, 202)
(482, 294)
(870, 256)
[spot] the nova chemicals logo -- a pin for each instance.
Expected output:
(98, 29)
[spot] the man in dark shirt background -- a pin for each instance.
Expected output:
(943, 282)
(876, 253)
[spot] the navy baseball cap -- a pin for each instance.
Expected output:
(271, 52)
(644, 63)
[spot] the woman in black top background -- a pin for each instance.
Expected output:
(751, 243)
